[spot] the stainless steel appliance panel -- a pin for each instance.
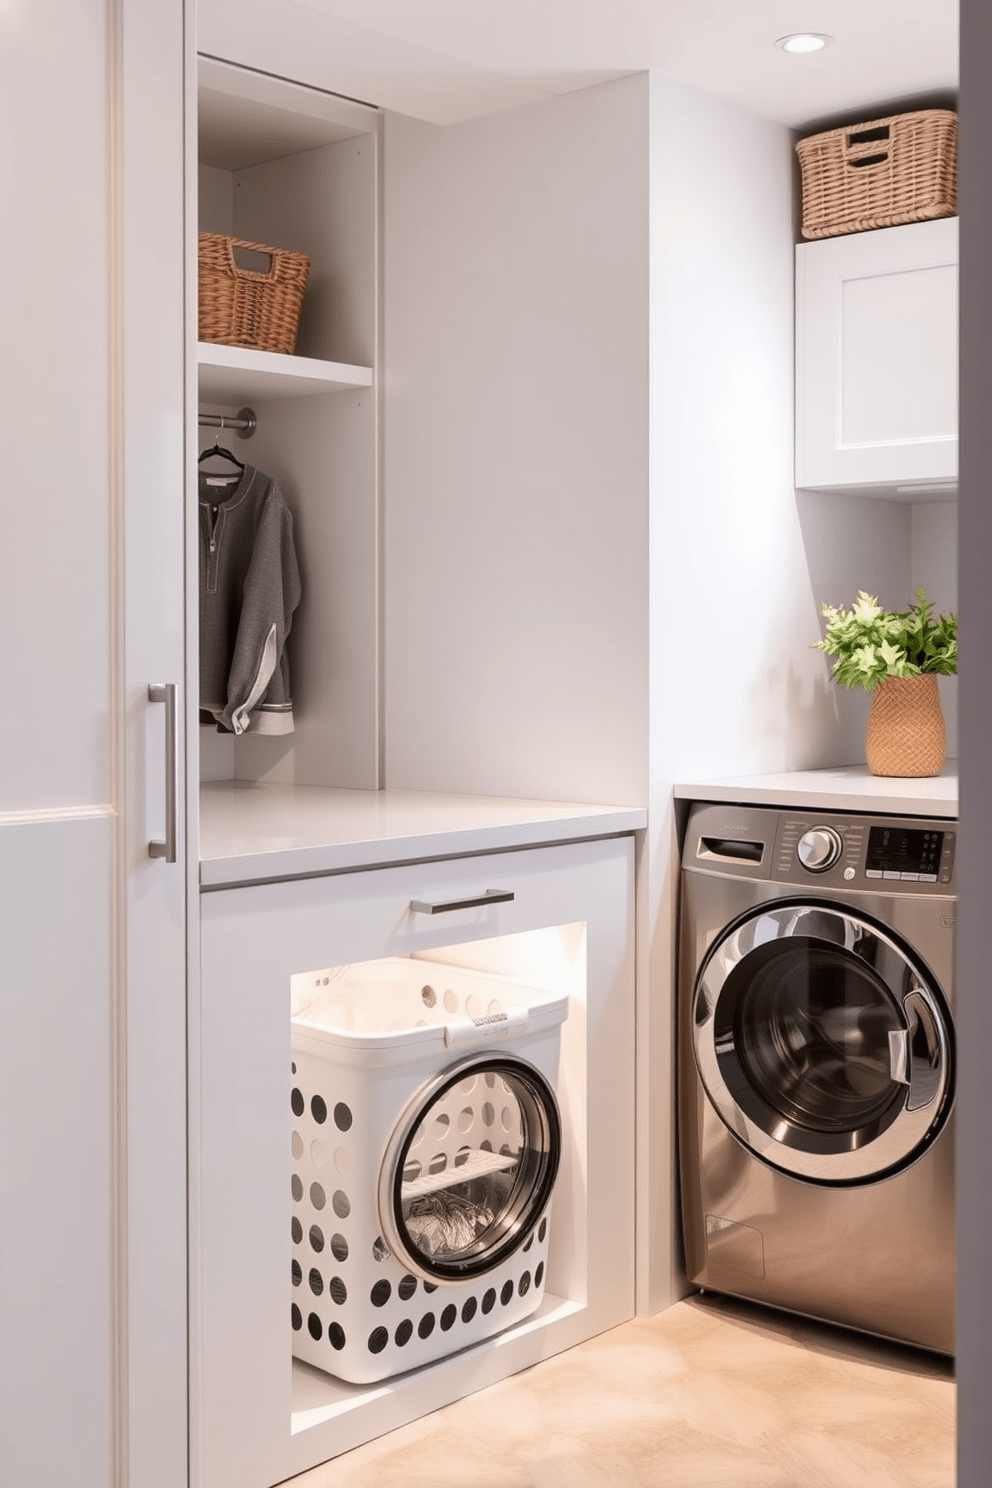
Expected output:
(874, 1253)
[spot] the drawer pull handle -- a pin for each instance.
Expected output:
(444, 906)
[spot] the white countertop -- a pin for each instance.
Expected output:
(844, 788)
(251, 832)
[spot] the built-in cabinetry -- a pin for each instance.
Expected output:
(876, 361)
(92, 928)
(564, 923)
(293, 167)
(306, 866)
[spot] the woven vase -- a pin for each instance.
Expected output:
(905, 734)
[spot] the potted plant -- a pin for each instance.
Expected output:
(897, 657)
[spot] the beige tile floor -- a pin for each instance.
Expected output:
(710, 1394)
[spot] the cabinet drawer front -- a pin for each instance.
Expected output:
(301, 923)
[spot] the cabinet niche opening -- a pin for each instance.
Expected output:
(433, 1164)
(292, 167)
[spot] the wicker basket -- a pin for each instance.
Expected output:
(905, 733)
(878, 174)
(242, 307)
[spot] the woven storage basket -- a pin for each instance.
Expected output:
(905, 733)
(242, 307)
(879, 174)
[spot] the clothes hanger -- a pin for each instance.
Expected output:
(221, 452)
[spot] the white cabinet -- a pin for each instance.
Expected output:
(293, 167)
(876, 361)
(296, 168)
(92, 974)
(567, 927)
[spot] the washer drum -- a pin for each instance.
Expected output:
(426, 1140)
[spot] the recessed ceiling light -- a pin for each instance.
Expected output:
(804, 41)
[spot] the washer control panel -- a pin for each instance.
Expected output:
(862, 852)
(823, 849)
(910, 854)
(802, 846)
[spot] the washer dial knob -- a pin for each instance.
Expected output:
(819, 849)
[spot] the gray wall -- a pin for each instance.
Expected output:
(974, 999)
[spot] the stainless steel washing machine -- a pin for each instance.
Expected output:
(816, 1035)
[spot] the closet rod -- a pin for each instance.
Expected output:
(244, 422)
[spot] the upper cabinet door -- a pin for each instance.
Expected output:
(876, 359)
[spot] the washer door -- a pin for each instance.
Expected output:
(470, 1168)
(821, 1045)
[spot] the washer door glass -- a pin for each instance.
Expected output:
(470, 1169)
(821, 1044)
(812, 1031)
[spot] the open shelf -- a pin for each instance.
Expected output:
(237, 373)
(248, 118)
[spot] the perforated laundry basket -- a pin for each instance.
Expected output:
(426, 1141)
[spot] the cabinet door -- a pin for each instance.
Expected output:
(565, 921)
(151, 622)
(876, 357)
(92, 1081)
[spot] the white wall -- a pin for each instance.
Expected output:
(732, 609)
(890, 549)
(851, 543)
(515, 463)
(740, 564)
(934, 564)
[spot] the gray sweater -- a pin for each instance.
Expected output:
(249, 588)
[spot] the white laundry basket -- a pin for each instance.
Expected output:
(425, 1142)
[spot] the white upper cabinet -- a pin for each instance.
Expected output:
(876, 361)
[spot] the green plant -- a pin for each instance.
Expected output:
(871, 644)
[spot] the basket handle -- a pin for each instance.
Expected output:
(260, 248)
(489, 1026)
(858, 138)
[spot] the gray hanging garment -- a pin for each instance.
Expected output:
(249, 589)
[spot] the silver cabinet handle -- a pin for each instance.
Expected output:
(168, 693)
(444, 906)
